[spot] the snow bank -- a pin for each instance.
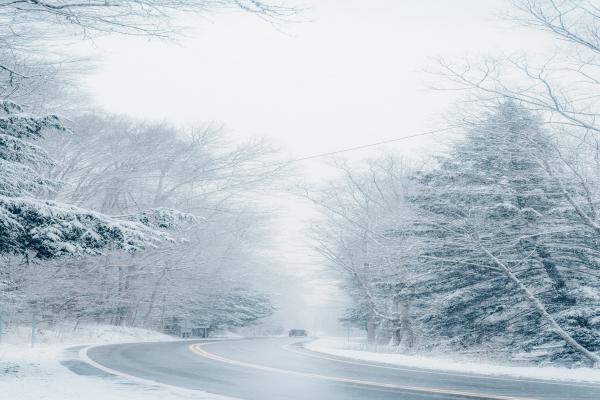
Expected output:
(64, 335)
(356, 350)
(37, 374)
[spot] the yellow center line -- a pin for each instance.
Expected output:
(197, 349)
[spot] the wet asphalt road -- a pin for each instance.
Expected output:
(280, 369)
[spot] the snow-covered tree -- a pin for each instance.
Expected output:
(29, 28)
(502, 243)
(113, 188)
(39, 228)
(361, 236)
(487, 251)
(121, 167)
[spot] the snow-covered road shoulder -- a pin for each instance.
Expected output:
(352, 350)
(40, 373)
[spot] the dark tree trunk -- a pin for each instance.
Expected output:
(370, 326)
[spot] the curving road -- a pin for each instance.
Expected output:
(281, 369)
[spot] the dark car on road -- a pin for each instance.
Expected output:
(298, 332)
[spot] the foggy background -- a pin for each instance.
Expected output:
(345, 74)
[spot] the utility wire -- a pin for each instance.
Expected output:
(279, 165)
(364, 146)
(335, 152)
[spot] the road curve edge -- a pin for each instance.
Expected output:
(199, 394)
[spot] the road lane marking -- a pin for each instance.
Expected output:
(198, 394)
(197, 349)
(318, 354)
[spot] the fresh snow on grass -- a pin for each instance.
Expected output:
(37, 374)
(357, 350)
(65, 335)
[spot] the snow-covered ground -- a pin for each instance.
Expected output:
(37, 374)
(357, 350)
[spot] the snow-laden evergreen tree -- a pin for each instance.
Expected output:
(504, 249)
(37, 228)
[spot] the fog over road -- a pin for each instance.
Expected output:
(280, 369)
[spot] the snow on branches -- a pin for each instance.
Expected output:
(164, 218)
(18, 155)
(47, 229)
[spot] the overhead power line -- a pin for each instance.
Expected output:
(364, 146)
(281, 164)
(341, 151)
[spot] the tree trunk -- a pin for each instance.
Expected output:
(558, 282)
(146, 319)
(370, 326)
(592, 357)
(407, 334)
(120, 309)
(162, 313)
(396, 323)
(124, 309)
(396, 332)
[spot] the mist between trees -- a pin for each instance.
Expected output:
(492, 248)
(174, 232)
(105, 219)
(189, 253)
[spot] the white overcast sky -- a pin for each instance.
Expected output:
(351, 75)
